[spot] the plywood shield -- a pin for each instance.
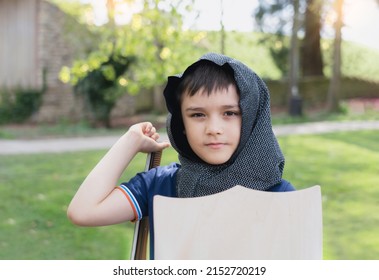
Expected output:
(240, 223)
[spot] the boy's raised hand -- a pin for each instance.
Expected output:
(146, 137)
(97, 202)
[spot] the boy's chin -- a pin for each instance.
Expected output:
(216, 161)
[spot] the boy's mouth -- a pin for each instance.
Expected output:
(215, 145)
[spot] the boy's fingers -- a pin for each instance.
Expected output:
(155, 136)
(146, 127)
(153, 130)
(149, 130)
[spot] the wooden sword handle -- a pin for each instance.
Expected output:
(141, 228)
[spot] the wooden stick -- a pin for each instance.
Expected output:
(141, 228)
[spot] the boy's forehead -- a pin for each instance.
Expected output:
(229, 95)
(217, 89)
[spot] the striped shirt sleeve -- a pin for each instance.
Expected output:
(132, 200)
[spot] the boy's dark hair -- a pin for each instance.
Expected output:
(205, 75)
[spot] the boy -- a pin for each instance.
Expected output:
(219, 123)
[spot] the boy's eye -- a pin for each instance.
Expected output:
(231, 113)
(197, 115)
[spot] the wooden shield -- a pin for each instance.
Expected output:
(240, 223)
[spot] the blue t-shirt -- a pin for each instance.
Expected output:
(142, 188)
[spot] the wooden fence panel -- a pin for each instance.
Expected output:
(18, 43)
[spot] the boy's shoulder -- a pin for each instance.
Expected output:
(164, 178)
(282, 186)
(156, 181)
(166, 170)
(172, 167)
(156, 174)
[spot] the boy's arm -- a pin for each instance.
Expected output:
(97, 202)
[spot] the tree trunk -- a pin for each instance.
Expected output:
(295, 103)
(335, 82)
(311, 60)
(111, 12)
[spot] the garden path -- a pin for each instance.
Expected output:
(59, 145)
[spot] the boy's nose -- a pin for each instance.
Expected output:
(214, 127)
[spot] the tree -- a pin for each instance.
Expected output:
(154, 37)
(111, 11)
(335, 82)
(295, 102)
(311, 56)
(157, 38)
(274, 20)
(275, 17)
(100, 89)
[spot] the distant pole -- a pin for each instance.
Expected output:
(335, 82)
(222, 27)
(295, 102)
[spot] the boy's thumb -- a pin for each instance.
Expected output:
(164, 145)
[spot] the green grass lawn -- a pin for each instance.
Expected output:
(36, 189)
(346, 165)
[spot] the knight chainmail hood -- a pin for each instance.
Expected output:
(258, 161)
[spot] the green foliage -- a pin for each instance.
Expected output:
(357, 60)
(275, 17)
(19, 105)
(75, 8)
(274, 20)
(100, 87)
(247, 47)
(279, 52)
(154, 36)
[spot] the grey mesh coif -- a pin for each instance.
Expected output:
(258, 161)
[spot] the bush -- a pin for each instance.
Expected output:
(19, 105)
(100, 87)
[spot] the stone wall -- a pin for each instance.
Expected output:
(54, 52)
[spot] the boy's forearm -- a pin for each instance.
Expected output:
(111, 166)
(105, 175)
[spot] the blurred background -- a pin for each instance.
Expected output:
(84, 68)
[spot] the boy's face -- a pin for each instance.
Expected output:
(213, 123)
